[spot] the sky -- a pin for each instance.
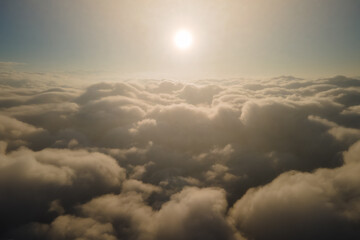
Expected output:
(309, 38)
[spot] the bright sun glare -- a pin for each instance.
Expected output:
(183, 39)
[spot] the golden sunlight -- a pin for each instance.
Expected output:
(183, 39)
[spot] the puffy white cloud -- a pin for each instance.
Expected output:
(324, 204)
(199, 94)
(16, 133)
(192, 213)
(69, 227)
(31, 181)
(127, 212)
(188, 151)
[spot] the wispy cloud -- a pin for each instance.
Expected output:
(9, 65)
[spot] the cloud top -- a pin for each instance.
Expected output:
(211, 159)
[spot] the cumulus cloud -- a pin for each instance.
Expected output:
(158, 159)
(33, 185)
(69, 227)
(322, 205)
(192, 213)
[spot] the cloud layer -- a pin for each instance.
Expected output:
(149, 159)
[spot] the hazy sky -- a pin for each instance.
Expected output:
(233, 37)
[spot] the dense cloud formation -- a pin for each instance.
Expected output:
(212, 159)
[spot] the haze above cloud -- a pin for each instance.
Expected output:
(231, 38)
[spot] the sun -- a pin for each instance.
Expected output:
(183, 39)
